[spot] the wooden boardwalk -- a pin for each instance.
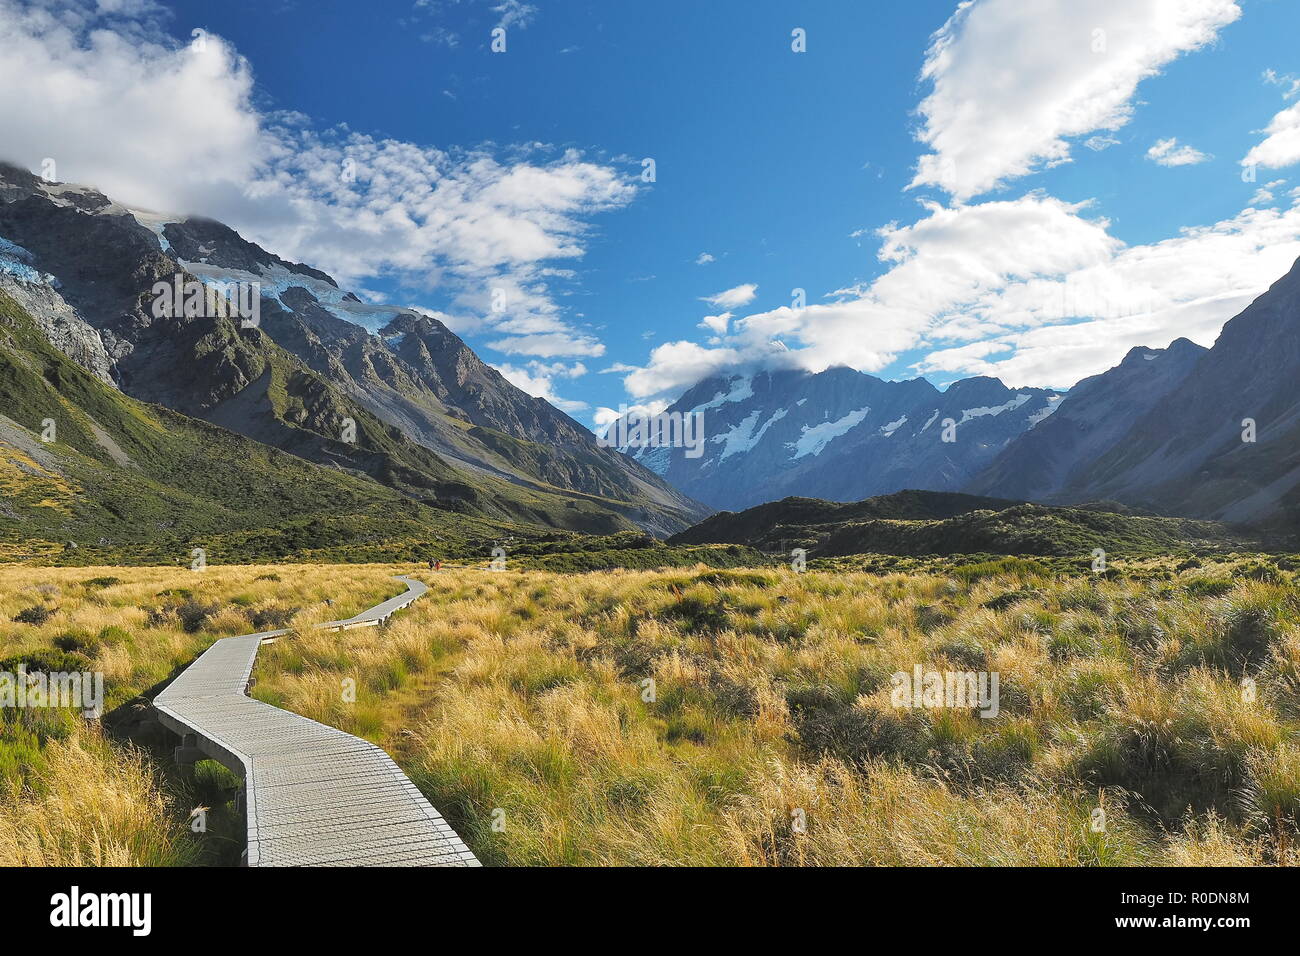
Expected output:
(314, 795)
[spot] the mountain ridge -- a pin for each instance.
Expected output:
(425, 408)
(841, 434)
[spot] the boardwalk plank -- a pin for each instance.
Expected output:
(315, 796)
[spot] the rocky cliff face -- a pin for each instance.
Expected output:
(1050, 461)
(1190, 450)
(425, 407)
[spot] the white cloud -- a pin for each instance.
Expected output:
(1100, 142)
(939, 264)
(1265, 195)
(100, 96)
(103, 102)
(677, 365)
(1292, 84)
(733, 298)
(1281, 147)
(1167, 152)
(550, 345)
(717, 323)
(538, 380)
(1012, 82)
(703, 259)
(514, 13)
(1027, 290)
(1054, 331)
(603, 417)
(509, 14)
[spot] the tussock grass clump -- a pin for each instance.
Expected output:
(92, 804)
(683, 716)
(739, 716)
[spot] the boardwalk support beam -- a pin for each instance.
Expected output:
(188, 753)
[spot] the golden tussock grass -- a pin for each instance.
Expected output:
(744, 717)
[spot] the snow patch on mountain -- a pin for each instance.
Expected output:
(155, 223)
(892, 427)
(742, 388)
(969, 413)
(738, 439)
(816, 437)
(1053, 403)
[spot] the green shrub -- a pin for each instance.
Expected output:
(1208, 586)
(37, 614)
(988, 569)
(97, 584)
(47, 661)
(77, 641)
(699, 614)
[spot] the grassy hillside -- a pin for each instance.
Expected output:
(125, 481)
(920, 523)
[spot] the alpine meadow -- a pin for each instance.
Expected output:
(488, 433)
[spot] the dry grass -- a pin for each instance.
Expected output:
(92, 805)
(68, 796)
(517, 700)
(520, 704)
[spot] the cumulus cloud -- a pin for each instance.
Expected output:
(100, 97)
(716, 323)
(1281, 145)
(98, 93)
(1029, 290)
(1167, 152)
(1054, 331)
(1012, 82)
(538, 380)
(733, 298)
(703, 259)
(678, 365)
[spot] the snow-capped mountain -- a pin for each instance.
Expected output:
(1181, 431)
(427, 415)
(839, 434)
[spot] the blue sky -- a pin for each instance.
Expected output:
(1084, 190)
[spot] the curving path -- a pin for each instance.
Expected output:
(314, 795)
